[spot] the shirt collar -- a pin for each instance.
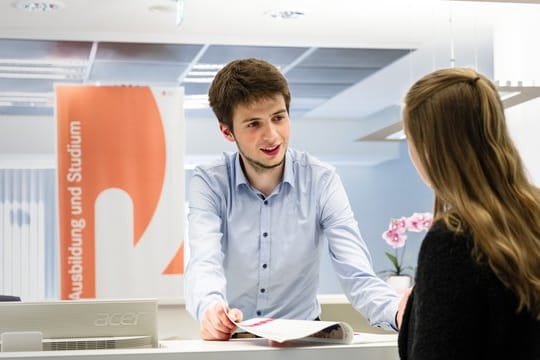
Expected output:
(238, 172)
(288, 173)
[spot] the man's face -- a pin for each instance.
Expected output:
(261, 132)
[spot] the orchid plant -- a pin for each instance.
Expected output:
(396, 237)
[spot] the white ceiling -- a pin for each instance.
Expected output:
(348, 62)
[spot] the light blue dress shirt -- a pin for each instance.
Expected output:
(262, 255)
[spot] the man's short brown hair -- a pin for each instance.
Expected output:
(245, 81)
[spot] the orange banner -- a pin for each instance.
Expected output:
(112, 165)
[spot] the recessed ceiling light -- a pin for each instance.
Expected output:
(285, 14)
(38, 6)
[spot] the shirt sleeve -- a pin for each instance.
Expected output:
(205, 281)
(446, 300)
(351, 259)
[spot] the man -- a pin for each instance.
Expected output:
(257, 217)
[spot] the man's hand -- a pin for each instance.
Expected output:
(401, 307)
(216, 325)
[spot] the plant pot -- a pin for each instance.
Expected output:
(400, 283)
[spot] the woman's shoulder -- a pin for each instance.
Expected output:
(447, 253)
(441, 238)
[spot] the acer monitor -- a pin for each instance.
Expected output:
(83, 324)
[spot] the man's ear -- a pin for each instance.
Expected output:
(227, 133)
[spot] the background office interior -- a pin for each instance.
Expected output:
(349, 64)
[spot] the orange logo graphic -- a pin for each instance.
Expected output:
(108, 137)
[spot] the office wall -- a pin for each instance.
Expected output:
(524, 127)
(516, 58)
(378, 193)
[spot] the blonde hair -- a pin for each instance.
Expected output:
(454, 119)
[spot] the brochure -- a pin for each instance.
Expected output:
(282, 330)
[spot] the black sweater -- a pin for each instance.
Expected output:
(460, 310)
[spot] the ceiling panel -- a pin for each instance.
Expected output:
(319, 91)
(327, 75)
(353, 58)
(28, 111)
(315, 74)
(27, 85)
(306, 103)
(167, 53)
(140, 73)
(44, 50)
(196, 88)
(279, 56)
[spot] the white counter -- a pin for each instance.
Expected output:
(237, 349)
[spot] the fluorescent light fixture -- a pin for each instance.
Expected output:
(6, 75)
(44, 69)
(196, 102)
(207, 66)
(398, 135)
(202, 73)
(26, 105)
(511, 95)
(27, 99)
(24, 99)
(505, 95)
(198, 80)
(41, 69)
(47, 62)
(48, 95)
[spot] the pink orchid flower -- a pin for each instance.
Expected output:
(419, 222)
(396, 237)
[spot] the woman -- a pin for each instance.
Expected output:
(477, 292)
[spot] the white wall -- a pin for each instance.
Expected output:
(517, 56)
(524, 124)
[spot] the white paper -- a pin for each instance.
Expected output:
(282, 330)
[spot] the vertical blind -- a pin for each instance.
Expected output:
(28, 234)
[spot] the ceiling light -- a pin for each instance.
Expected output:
(26, 94)
(40, 69)
(38, 6)
(202, 73)
(21, 99)
(51, 70)
(4, 75)
(198, 80)
(515, 93)
(208, 66)
(398, 135)
(285, 14)
(505, 95)
(196, 102)
(47, 62)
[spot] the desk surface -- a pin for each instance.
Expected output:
(370, 347)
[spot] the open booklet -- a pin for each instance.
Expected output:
(282, 330)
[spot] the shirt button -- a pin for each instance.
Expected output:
(265, 202)
(259, 313)
(265, 234)
(263, 290)
(264, 266)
